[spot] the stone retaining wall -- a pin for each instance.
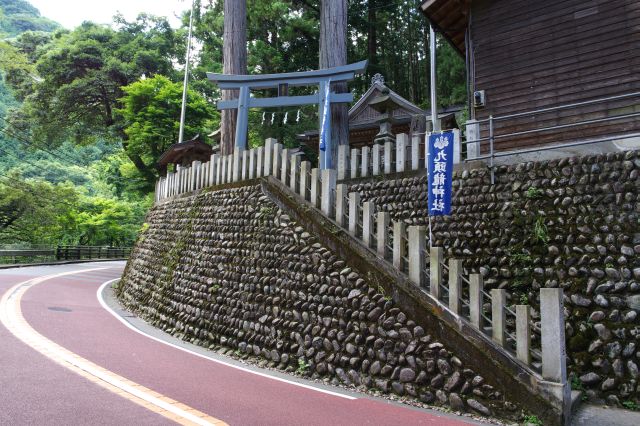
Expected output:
(573, 223)
(227, 269)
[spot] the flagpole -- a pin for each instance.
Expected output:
(427, 161)
(186, 78)
(435, 123)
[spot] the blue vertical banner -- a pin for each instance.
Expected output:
(440, 171)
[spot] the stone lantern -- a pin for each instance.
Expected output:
(385, 105)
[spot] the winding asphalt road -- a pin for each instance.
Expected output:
(69, 359)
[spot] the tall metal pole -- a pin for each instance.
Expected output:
(434, 95)
(186, 77)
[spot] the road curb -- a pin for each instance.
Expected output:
(110, 303)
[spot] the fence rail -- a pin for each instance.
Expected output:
(63, 253)
(483, 148)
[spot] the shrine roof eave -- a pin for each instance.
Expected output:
(450, 18)
(368, 96)
(176, 151)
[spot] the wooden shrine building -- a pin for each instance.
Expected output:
(528, 58)
(364, 119)
(183, 154)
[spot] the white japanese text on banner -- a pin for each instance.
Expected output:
(440, 170)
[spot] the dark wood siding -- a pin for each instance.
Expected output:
(537, 54)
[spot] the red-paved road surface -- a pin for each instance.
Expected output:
(36, 391)
(235, 396)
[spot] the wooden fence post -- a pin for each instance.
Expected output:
(365, 150)
(341, 206)
(354, 212)
(455, 285)
(354, 163)
(417, 242)
(315, 187)
(305, 167)
(498, 315)
(376, 157)
(402, 141)
(368, 222)
(475, 300)
(399, 248)
(382, 231)
(328, 191)
(523, 333)
(343, 161)
(435, 271)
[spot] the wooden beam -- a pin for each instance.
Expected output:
(234, 81)
(242, 124)
(283, 101)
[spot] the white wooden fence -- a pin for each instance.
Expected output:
(539, 345)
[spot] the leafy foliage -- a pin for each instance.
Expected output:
(38, 212)
(81, 75)
(150, 112)
(282, 36)
(86, 113)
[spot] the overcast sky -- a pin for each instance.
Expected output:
(71, 13)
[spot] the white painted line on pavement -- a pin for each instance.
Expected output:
(237, 367)
(11, 317)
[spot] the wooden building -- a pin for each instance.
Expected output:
(531, 55)
(183, 154)
(363, 119)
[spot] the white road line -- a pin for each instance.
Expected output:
(237, 367)
(11, 317)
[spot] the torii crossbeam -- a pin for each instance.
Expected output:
(322, 78)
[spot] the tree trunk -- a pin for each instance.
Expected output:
(333, 53)
(234, 58)
(372, 38)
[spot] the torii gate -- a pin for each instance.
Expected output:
(323, 78)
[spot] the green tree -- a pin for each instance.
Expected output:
(282, 36)
(108, 221)
(80, 79)
(151, 112)
(34, 211)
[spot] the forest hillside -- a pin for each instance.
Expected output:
(86, 113)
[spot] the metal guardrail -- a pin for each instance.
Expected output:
(492, 137)
(64, 253)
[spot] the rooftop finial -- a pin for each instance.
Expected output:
(377, 78)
